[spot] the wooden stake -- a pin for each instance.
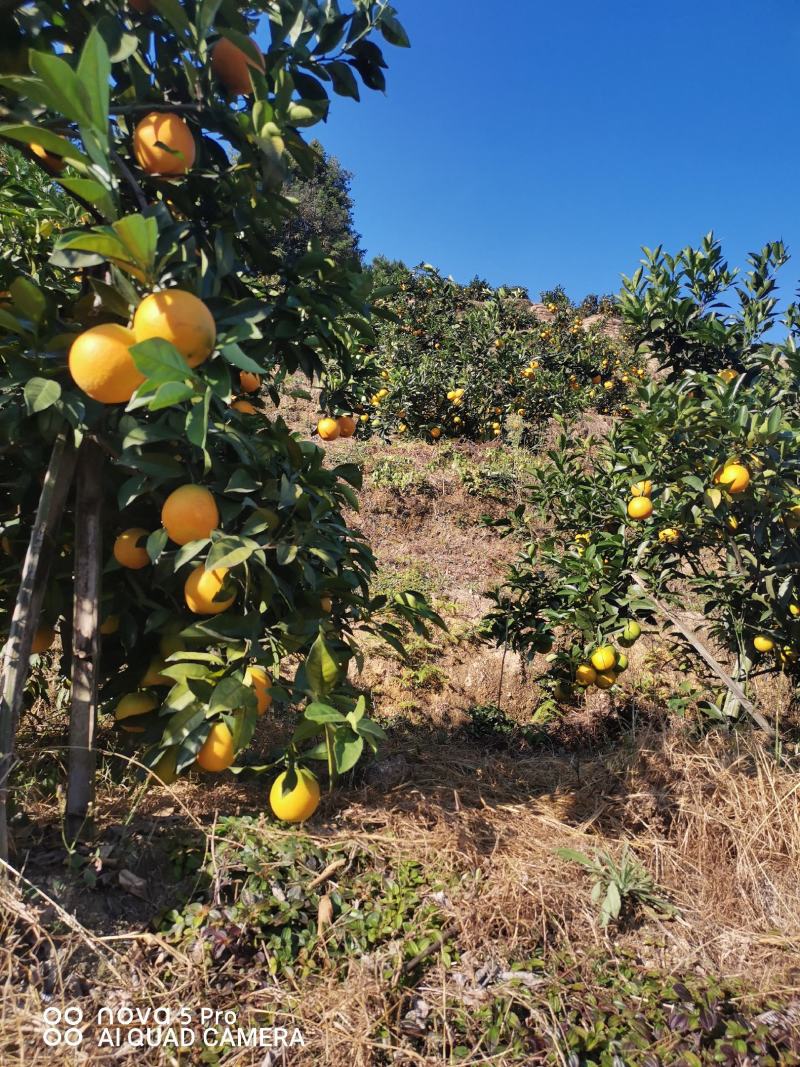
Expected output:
(35, 570)
(85, 637)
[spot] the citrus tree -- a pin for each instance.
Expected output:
(695, 496)
(476, 362)
(147, 326)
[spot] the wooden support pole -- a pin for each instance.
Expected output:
(35, 571)
(85, 638)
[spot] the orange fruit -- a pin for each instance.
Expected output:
(326, 604)
(258, 678)
(166, 769)
(436, 433)
(249, 383)
(217, 751)
(189, 513)
(604, 658)
(640, 507)
(153, 675)
(232, 65)
(110, 625)
(180, 318)
(643, 488)
(55, 164)
(328, 429)
(347, 425)
(244, 407)
(300, 803)
(605, 679)
(101, 364)
(132, 706)
(170, 643)
(669, 536)
(171, 130)
(762, 643)
(585, 674)
(728, 375)
(128, 551)
(734, 477)
(202, 586)
(42, 639)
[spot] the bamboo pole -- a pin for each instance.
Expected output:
(35, 570)
(85, 638)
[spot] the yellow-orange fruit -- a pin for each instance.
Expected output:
(244, 407)
(605, 679)
(734, 477)
(180, 318)
(42, 639)
(347, 425)
(101, 363)
(644, 488)
(134, 705)
(326, 604)
(604, 658)
(110, 625)
(128, 550)
(217, 751)
(300, 803)
(55, 164)
(164, 128)
(640, 507)
(249, 383)
(259, 680)
(202, 586)
(166, 770)
(153, 675)
(189, 513)
(585, 674)
(328, 429)
(232, 65)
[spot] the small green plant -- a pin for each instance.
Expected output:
(621, 886)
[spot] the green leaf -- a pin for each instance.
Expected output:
(231, 695)
(197, 420)
(347, 750)
(160, 360)
(94, 73)
(28, 299)
(40, 394)
(229, 551)
(169, 394)
(233, 354)
(613, 902)
(321, 669)
(50, 142)
(184, 723)
(322, 713)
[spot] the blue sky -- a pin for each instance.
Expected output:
(544, 143)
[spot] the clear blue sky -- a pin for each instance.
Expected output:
(544, 143)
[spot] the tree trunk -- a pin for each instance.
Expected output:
(85, 638)
(26, 611)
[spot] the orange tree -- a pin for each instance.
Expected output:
(695, 495)
(147, 326)
(472, 361)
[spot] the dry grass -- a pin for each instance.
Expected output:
(719, 830)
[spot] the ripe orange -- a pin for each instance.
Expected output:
(436, 433)
(129, 552)
(132, 706)
(101, 364)
(244, 407)
(170, 130)
(153, 675)
(728, 375)
(734, 477)
(605, 679)
(166, 769)
(249, 383)
(640, 507)
(181, 318)
(643, 488)
(604, 658)
(202, 586)
(232, 65)
(217, 751)
(299, 804)
(55, 164)
(585, 674)
(763, 643)
(257, 678)
(669, 536)
(328, 429)
(189, 513)
(110, 625)
(171, 643)
(326, 604)
(42, 639)
(347, 425)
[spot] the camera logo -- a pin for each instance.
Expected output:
(61, 1027)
